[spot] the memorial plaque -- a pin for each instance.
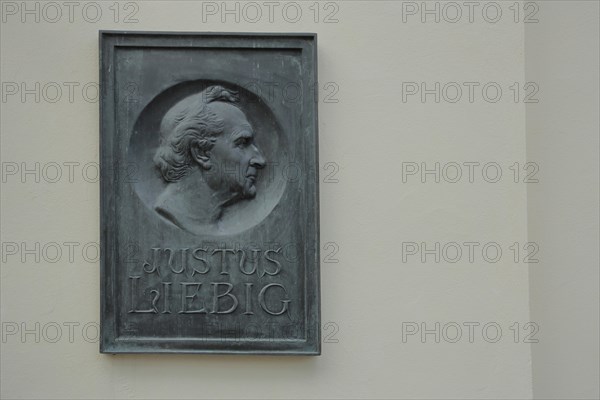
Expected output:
(209, 193)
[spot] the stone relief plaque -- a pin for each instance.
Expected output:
(209, 193)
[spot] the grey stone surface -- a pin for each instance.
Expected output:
(209, 193)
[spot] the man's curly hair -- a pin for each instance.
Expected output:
(189, 121)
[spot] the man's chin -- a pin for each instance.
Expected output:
(249, 192)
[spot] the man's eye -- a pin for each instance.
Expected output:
(244, 141)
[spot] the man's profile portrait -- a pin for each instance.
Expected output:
(208, 158)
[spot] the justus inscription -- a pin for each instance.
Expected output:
(210, 247)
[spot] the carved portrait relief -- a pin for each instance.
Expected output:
(210, 158)
(200, 136)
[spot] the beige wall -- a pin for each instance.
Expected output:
(562, 136)
(371, 296)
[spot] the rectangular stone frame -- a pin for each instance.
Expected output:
(110, 341)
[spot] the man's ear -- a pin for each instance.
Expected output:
(200, 154)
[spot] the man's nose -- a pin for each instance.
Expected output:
(257, 160)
